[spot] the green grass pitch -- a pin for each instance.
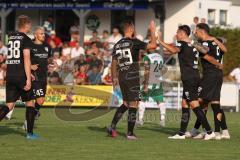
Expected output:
(62, 140)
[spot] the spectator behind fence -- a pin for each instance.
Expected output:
(107, 76)
(48, 25)
(94, 49)
(193, 26)
(3, 49)
(203, 20)
(81, 61)
(77, 51)
(53, 76)
(66, 50)
(67, 69)
(81, 76)
(95, 62)
(105, 36)
(57, 62)
(114, 38)
(54, 47)
(94, 37)
(53, 37)
(94, 76)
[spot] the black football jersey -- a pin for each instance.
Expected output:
(188, 60)
(215, 52)
(15, 61)
(126, 52)
(39, 55)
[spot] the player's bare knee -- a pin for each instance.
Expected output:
(40, 101)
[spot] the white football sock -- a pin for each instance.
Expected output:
(141, 111)
(162, 109)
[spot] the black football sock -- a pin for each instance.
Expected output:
(30, 117)
(3, 112)
(118, 115)
(223, 123)
(203, 119)
(184, 121)
(37, 107)
(132, 116)
(198, 123)
(216, 111)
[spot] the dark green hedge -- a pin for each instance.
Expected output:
(232, 58)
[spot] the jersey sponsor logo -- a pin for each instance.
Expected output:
(41, 55)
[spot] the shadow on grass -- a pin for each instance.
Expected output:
(157, 128)
(6, 130)
(104, 130)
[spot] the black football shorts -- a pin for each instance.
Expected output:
(39, 88)
(210, 86)
(130, 90)
(15, 91)
(190, 89)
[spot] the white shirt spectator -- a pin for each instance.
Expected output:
(112, 40)
(236, 74)
(77, 51)
(66, 51)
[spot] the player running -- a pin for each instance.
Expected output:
(153, 64)
(211, 83)
(188, 59)
(125, 72)
(40, 53)
(18, 76)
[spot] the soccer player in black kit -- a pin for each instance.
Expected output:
(18, 76)
(211, 82)
(40, 53)
(125, 72)
(188, 52)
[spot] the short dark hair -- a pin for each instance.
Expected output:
(204, 27)
(185, 28)
(127, 24)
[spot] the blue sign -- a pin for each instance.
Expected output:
(74, 4)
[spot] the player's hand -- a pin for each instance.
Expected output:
(220, 66)
(115, 82)
(34, 67)
(27, 87)
(33, 78)
(152, 26)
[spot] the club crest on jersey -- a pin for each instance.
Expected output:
(46, 49)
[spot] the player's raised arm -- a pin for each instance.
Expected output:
(146, 75)
(27, 68)
(220, 44)
(152, 44)
(170, 48)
